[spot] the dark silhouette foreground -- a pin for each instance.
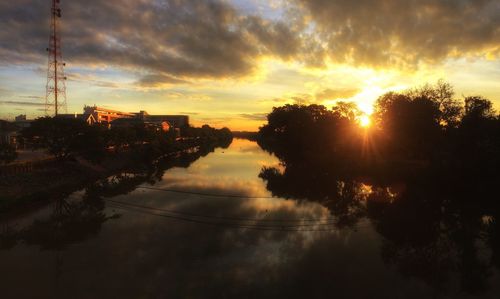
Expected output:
(419, 130)
(425, 174)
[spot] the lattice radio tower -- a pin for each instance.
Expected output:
(55, 94)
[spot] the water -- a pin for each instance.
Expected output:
(225, 236)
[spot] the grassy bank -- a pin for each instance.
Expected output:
(59, 178)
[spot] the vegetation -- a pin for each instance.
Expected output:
(74, 221)
(134, 149)
(246, 135)
(424, 174)
(418, 129)
(208, 134)
(7, 153)
(67, 138)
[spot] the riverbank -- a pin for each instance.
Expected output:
(58, 178)
(43, 183)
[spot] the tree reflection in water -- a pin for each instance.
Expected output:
(430, 231)
(73, 221)
(440, 230)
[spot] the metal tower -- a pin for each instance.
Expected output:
(55, 96)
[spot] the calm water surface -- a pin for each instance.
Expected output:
(223, 236)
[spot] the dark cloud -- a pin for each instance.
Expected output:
(395, 32)
(180, 38)
(32, 97)
(22, 103)
(174, 39)
(254, 116)
(76, 77)
(275, 37)
(158, 80)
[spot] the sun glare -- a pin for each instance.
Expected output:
(365, 121)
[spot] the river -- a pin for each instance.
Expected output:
(213, 229)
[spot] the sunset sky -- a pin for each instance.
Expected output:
(227, 63)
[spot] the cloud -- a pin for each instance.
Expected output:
(274, 101)
(32, 97)
(404, 33)
(158, 80)
(303, 99)
(92, 80)
(334, 94)
(189, 38)
(186, 96)
(275, 37)
(254, 116)
(5, 92)
(181, 40)
(22, 103)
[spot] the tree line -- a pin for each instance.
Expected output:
(420, 128)
(67, 137)
(424, 174)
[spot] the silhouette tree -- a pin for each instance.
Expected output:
(66, 137)
(444, 154)
(477, 108)
(7, 153)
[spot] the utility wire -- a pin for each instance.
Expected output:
(225, 224)
(233, 196)
(326, 220)
(206, 194)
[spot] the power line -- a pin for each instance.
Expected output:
(207, 194)
(285, 228)
(327, 220)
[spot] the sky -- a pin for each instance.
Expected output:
(228, 62)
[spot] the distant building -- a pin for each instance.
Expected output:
(176, 121)
(95, 114)
(21, 122)
(104, 115)
(8, 132)
(126, 122)
(133, 122)
(21, 117)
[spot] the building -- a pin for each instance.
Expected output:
(133, 122)
(95, 114)
(176, 121)
(98, 115)
(8, 132)
(104, 115)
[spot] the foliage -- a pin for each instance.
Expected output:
(419, 128)
(61, 136)
(424, 175)
(208, 134)
(69, 137)
(7, 153)
(313, 135)
(245, 135)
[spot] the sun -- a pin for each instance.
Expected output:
(364, 121)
